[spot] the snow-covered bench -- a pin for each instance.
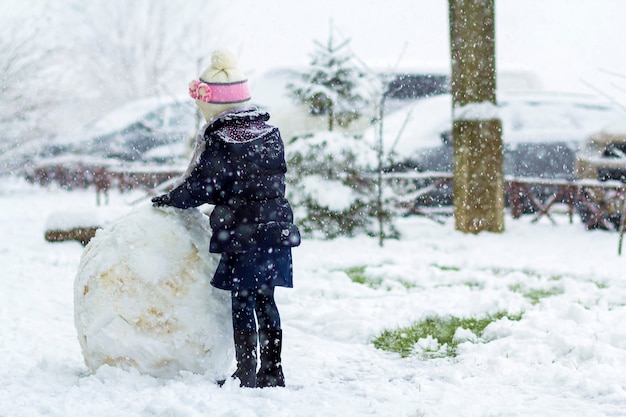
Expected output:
(80, 226)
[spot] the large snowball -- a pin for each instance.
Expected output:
(142, 296)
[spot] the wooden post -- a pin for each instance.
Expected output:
(515, 200)
(478, 159)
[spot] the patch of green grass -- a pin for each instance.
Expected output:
(357, 275)
(531, 273)
(407, 284)
(446, 267)
(600, 285)
(442, 329)
(535, 294)
(498, 271)
(506, 271)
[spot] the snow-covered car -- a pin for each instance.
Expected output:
(542, 133)
(134, 131)
(603, 154)
(602, 157)
(269, 92)
(404, 86)
(154, 132)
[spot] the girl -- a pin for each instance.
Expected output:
(239, 166)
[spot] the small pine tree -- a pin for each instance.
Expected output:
(332, 186)
(330, 86)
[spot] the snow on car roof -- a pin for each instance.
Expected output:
(553, 117)
(124, 116)
(616, 127)
(129, 113)
(527, 117)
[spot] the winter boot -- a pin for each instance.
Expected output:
(245, 354)
(271, 371)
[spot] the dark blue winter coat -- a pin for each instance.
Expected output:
(240, 168)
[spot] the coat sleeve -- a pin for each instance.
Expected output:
(206, 181)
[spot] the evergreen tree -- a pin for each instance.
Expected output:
(332, 187)
(333, 181)
(331, 85)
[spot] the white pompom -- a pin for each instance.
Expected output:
(223, 59)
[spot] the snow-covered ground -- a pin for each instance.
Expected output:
(565, 357)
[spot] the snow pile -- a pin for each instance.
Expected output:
(617, 127)
(91, 217)
(68, 220)
(477, 111)
(142, 296)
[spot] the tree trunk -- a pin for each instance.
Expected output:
(478, 177)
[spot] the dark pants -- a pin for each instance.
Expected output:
(248, 302)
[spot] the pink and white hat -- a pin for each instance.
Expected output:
(221, 82)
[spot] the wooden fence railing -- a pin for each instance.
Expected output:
(123, 179)
(599, 200)
(73, 174)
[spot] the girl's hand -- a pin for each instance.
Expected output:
(161, 201)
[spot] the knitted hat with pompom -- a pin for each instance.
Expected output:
(221, 86)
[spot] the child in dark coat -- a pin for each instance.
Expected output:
(239, 166)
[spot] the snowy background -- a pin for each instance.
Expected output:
(562, 41)
(570, 45)
(566, 356)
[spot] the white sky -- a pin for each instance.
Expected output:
(563, 41)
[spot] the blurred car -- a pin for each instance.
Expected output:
(542, 133)
(147, 135)
(270, 92)
(603, 157)
(404, 86)
(134, 131)
(603, 154)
